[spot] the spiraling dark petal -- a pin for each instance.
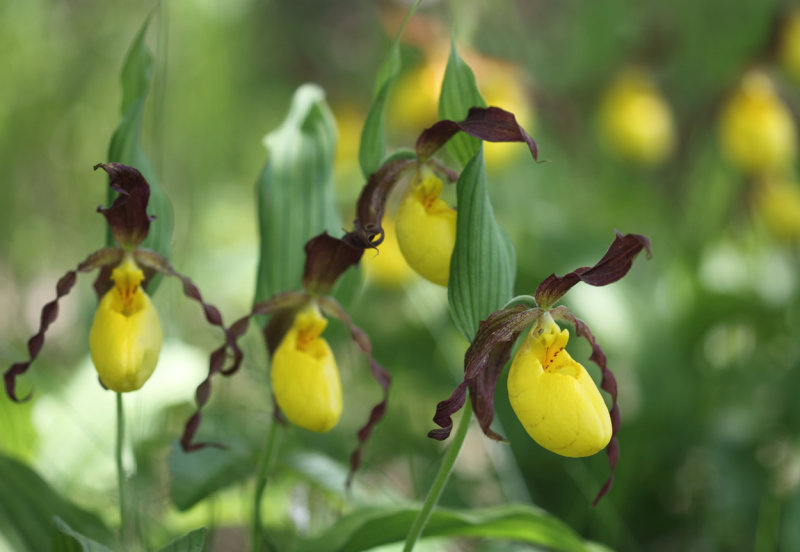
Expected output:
(98, 259)
(331, 307)
(483, 362)
(367, 229)
(608, 384)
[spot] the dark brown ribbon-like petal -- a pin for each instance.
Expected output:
(327, 258)
(614, 265)
(491, 124)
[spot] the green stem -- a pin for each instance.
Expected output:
(267, 461)
(120, 471)
(441, 480)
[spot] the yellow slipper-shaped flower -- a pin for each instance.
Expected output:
(125, 339)
(426, 229)
(305, 379)
(554, 397)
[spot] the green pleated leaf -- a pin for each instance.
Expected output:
(372, 148)
(295, 193)
(196, 475)
(376, 526)
(459, 94)
(83, 543)
(190, 542)
(126, 146)
(28, 506)
(484, 264)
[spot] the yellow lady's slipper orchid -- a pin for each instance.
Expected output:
(125, 338)
(554, 397)
(426, 229)
(636, 120)
(305, 379)
(757, 130)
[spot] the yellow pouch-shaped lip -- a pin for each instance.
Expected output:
(304, 375)
(554, 397)
(125, 339)
(426, 230)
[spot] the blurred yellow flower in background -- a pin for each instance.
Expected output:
(554, 396)
(635, 120)
(125, 339)
(777, 203)
(757, 131)
(304, 375)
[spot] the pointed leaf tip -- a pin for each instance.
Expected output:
(127, 216)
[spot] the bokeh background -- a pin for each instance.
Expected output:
(674, 120)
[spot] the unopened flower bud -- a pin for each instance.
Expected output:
(305, 379)
(125, 339)
(554, 397)
(426, 229)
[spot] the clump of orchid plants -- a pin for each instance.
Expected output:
(552, 394)
(125, 339)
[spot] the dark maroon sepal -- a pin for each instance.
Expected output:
(367, 229)
(327, 258)
(127, 216)
(483, 362)
(98, 259)
(333, 309)
(614, 265)
(608, 384)
(491, 124)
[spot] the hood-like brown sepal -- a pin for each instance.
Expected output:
(127, 216)
(98, 259)
(483, 362)
(491, 124)
(614, 265)
(330, 307)
(327, 258)
(608, 384)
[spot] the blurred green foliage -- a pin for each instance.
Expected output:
(703, 338)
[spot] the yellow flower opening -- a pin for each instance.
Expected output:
(305, 379)
(426, 229)
(125, 339)
(756, 127)
(636, 120)
(554, 397)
